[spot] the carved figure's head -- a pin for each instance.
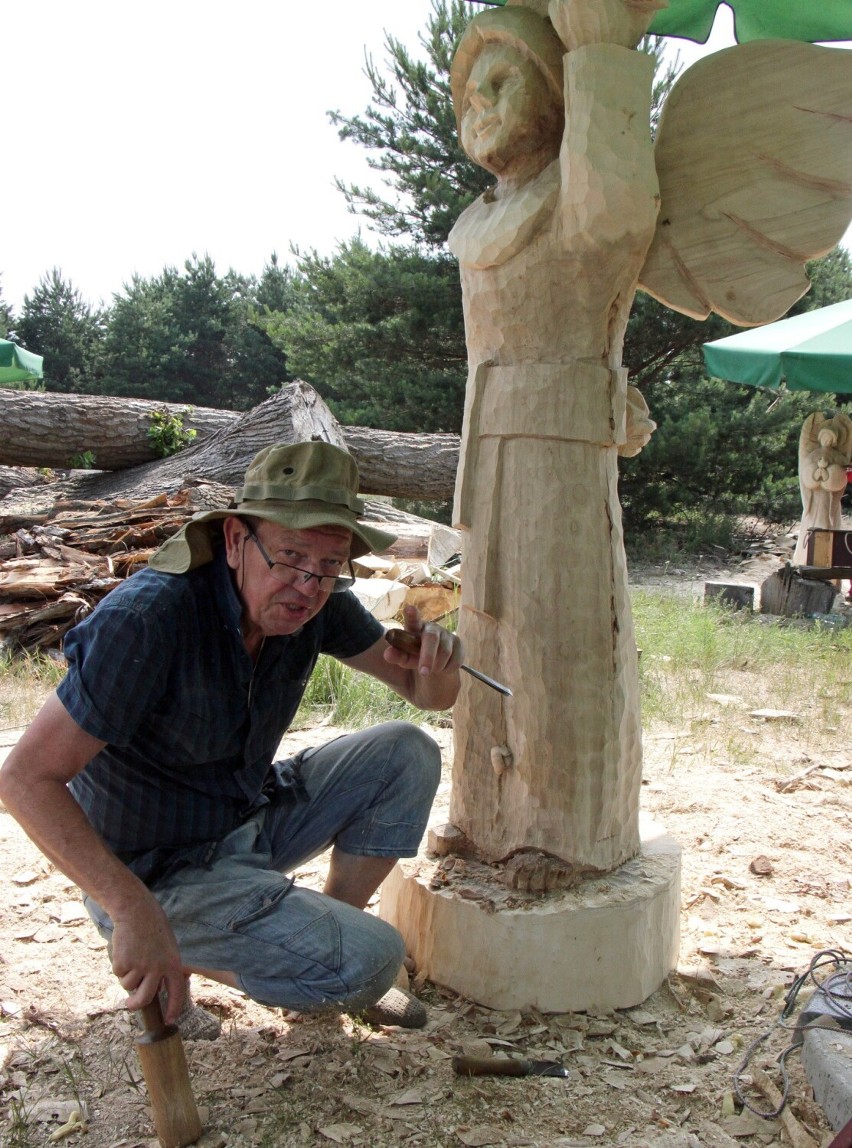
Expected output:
(506, 81)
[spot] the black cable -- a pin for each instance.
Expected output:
(832, 989)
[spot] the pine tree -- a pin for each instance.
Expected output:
(56, 323)
(194, 337)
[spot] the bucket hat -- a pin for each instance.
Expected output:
(303, 485)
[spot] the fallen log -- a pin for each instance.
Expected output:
(51, 430)
(294, 414)
(402, 465)
(44, 429)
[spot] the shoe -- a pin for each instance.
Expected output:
(397, 1006)
(194, 1022)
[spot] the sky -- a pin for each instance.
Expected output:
(140, 134)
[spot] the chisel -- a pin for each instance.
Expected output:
(410, 643)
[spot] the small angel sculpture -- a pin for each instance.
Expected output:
(825, 451)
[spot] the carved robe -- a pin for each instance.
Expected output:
(548, 275)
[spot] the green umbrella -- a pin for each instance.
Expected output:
(810, 352)
(18, 365)
(810, 20)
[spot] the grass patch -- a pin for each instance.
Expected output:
(25, 682)
(343, 697)
(691, 650)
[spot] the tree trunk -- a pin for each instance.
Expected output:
(43, 429)
(49, 430)
(404, 465)
(787, 594)
(388, 464)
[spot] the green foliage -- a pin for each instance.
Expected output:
(409, 129)
(167, 434)
(194, 337)
(6, 317)
(380, 335)
(718, 448)
(56, 323)
(85, 460)
(721, 449)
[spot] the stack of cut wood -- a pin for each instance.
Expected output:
(54, 573)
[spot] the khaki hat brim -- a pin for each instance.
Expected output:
(194, 544)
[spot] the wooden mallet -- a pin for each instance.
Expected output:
(164, 1067)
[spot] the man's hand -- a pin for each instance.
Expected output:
(440, 651)
(145, 958)
(582, 22)
(428, 677)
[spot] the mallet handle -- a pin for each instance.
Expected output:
(164, 1067)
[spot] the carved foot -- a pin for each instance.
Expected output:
(443, 840)
(533, 872)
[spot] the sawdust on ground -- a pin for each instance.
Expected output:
(659, 1074)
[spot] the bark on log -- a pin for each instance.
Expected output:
(48, 430)
(294, 414)
(44, 429)
(404, 465)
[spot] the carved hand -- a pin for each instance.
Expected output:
(623, 22)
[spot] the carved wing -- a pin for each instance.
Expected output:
(754, 157)
(809, 434)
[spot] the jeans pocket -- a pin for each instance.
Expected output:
(258, 904)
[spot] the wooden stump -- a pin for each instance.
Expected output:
(786, 593)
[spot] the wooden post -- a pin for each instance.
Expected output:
(164, 1067)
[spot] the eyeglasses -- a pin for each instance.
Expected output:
(284, 572)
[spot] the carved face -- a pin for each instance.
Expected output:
(510, 121)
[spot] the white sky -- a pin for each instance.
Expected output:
(137, 134)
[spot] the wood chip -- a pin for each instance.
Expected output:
(775, 715)
(480, 1135)
(340, 1133)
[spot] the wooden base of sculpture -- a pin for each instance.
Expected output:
(609, 942)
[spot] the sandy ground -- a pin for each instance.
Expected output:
(767, 865)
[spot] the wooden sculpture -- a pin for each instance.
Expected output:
(825, 451)
(750, 176)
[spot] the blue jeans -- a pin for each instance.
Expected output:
(368, 794)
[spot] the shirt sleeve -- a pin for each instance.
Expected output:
(350, 628)
(117, 671)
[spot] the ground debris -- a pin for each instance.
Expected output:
(654, 1076)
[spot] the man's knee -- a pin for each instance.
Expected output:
(416, 754)
(340, 962)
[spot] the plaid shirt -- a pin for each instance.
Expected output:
(160, 672)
